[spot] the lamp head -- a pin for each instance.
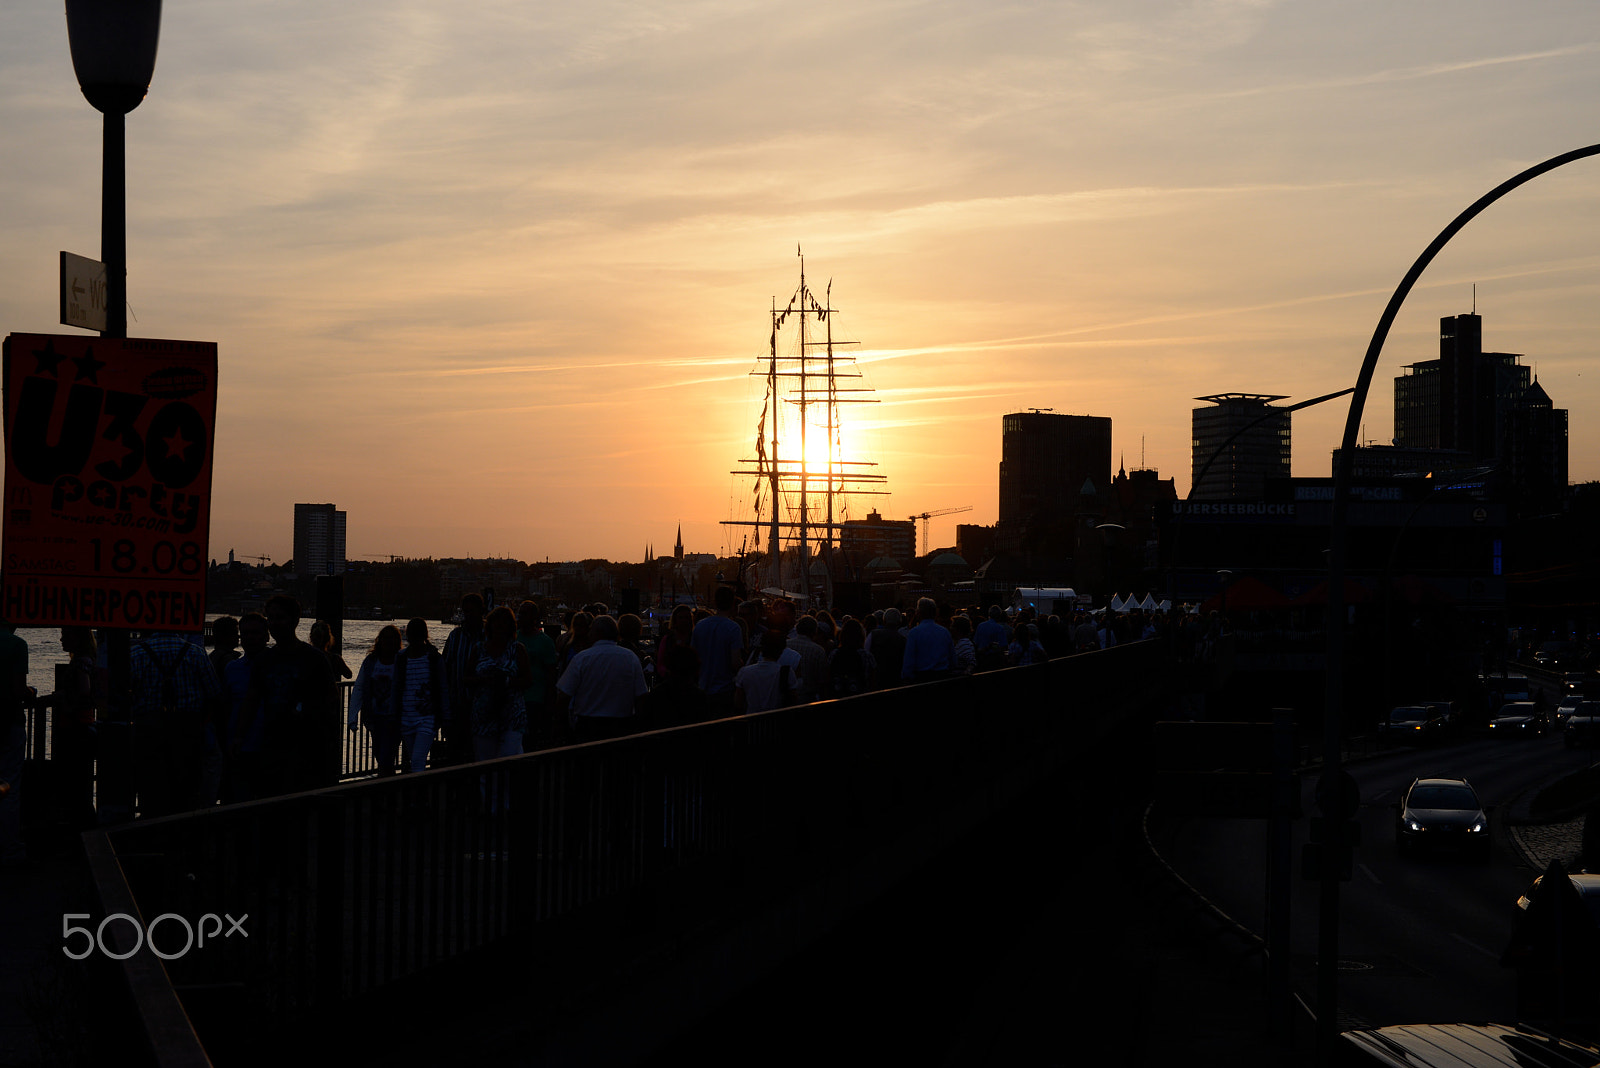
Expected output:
(114, 50)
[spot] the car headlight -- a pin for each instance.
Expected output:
(1479, 827)
(1413, 825)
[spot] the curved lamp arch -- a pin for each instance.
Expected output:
(1328, 936)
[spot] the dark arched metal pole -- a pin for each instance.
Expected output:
(1328, 930)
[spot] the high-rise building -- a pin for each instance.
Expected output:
(1536, 441)
(876, 537)
(1047, 461)
(1458, 401)
(318, 540)
(1485, 405)
(1239, 442)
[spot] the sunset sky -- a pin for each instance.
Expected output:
(491, 277)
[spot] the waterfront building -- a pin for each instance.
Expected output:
(1045, 461)
(975, 542)
(1391, 461)
(876, 536)
(1487, 406)
(318, 540)
(461, 576)
(1129, 530)
(1259, 451)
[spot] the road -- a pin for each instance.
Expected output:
(1420, 938)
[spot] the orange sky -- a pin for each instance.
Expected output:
(491, 278)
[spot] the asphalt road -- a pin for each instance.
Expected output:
(1420, 938)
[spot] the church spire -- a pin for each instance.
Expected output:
(677, 550)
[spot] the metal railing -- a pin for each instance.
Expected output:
(577, 860)
(356, 759)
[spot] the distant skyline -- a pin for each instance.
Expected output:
(491, 279)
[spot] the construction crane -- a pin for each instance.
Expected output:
(925, 516)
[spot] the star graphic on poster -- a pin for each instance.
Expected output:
(177, 444)
(49, 359)
(88, 366)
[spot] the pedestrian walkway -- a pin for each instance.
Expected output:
(43, 995)
(1044, 938)
(1543, 842)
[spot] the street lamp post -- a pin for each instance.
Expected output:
(114, 55)
(1327, 1026)
(113, 45)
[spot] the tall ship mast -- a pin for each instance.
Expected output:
(802, 488)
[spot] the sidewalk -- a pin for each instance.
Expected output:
(1541, 841)
(42, 993)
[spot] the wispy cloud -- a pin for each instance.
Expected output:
(477, 227)
(577, 367)
(1406, 74)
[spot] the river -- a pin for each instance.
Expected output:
(44, 645)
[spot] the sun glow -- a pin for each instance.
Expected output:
(818, 452)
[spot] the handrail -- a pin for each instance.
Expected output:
(169, 1038)
(607, 848)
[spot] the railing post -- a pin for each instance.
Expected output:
(41, 730)
(329, 827)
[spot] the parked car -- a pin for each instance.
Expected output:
(1552, 957)
(1581, 729)
(1412, 724)
(1462, 1045)
(1449, 714)
(1440, 813)
(1561, 656)
(1519, 719)
(1574, 706)
(1587, 885)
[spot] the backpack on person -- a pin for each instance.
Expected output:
(167, 701)
(991, 657)
(849, 673)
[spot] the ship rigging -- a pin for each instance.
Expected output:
(801, 496)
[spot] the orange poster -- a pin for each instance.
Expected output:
(108, 481)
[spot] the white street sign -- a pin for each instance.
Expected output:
(83, 292)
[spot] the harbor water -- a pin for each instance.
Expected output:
(44, 645)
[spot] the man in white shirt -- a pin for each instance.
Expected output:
(772, 680)
(602, 686)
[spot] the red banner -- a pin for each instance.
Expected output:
(108, 481)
